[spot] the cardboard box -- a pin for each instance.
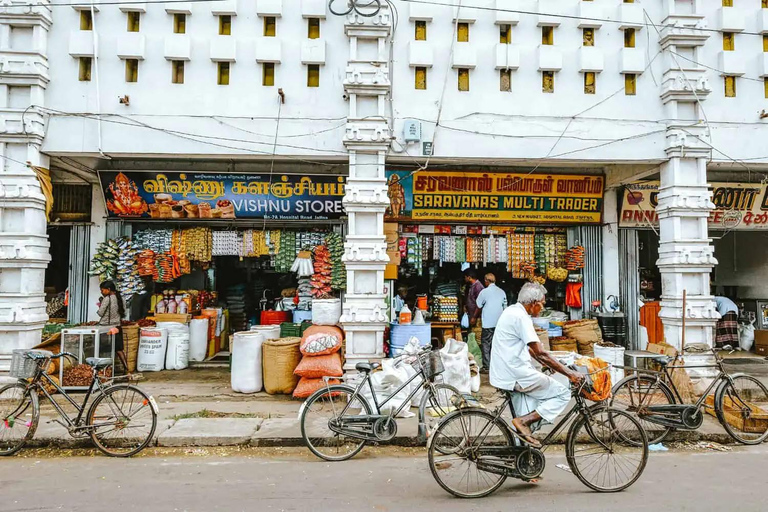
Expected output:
(761, 342)
(662, 348)
(390, 272)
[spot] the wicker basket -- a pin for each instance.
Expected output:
(280, 358)
(131, 335)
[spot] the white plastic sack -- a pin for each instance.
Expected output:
(177, 353)
(173, 326)
(326, 311)
(198, 339)
(246, 362)
(474, 379)
(152, 346)
(612, 356)
(270, 332)
(747, 336)
(385, 383)
(455, 356)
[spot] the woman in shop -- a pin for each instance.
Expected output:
(111, 313)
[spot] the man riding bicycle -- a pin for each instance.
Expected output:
(515, 344)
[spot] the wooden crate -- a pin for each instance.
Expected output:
(756, 424)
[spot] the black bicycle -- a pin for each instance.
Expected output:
(337, 421)
(740, 402)
(121, 420)
(474, 450)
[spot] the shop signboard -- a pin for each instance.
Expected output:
(742, 206)
(211, 196)
(495, 197)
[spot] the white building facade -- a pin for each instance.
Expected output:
(667, 90)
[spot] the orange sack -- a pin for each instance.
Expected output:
(308, 386)
(601, 378)
(316, 367)
(320, 340)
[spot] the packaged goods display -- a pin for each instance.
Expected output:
(445, 309)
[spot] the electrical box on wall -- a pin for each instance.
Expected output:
(412, 130)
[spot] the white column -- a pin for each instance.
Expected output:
(367, 138)
(23, 239)
(611, 246)
(686, 255)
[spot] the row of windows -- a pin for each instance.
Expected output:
(547, 81)
(180, 24)
(177, 72)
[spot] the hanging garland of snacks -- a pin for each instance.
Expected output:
(286, 253)
(321, 279)
(574, 258)
(197, 244)
(338, 271)
(128, 279)
(104, 262)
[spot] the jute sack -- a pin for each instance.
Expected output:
(543, 338)
(131, 345)
(586, 333)
(563, 344)
(279, 359)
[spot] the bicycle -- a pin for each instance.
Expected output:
(740, 401)
(337, 421)
(121, 420)
(474, 450)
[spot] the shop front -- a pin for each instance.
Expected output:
(738, 227)
(212, 254)
(519, 227)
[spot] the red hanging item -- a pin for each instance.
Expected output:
(573, 295)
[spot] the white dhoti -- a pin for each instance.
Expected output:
(541, 393)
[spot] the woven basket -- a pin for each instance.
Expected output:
(131, 345)
(280, 358)
(563, 344)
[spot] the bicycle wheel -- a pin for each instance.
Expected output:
(319, 410)
(455, 457)
(436, 403)
(19, 415)
(634, 394)
(122, 420)
(738, 403)
(599, 454)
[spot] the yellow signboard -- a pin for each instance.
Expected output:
(496, 197)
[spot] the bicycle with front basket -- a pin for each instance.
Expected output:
(337, 421)
(120, 421)
(473, 450)
(740, 401)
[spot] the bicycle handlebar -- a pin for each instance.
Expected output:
(54, 356)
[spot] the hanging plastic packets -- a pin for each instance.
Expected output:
(461, 251)
(225, 243)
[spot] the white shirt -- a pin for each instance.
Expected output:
(492, 300)
(510, 360)
(725, 305)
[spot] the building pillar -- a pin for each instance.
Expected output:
(367, 138)
(686, 255)
(24, 243)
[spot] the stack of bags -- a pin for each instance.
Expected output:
(320, 346)
(586, 333)
(236, 307)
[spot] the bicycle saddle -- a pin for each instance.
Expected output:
(99, 362)
(366, 367)
(662, 359)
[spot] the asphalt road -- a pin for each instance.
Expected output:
(380, 481)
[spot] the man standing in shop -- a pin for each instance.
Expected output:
(491, 302)
(474, 287)
(727, 328)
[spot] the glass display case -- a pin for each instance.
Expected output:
(85, 342)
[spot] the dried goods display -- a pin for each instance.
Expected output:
(321, 279)
(335, 245)
(104, 262)
(521, 257)
(574, 258)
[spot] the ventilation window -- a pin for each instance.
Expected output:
(313, 75)
(313, 28)
(505, 34)
(629, 38)
(727, 3)
(547, 36)
(268, 74)
(134, 21)
(589, 82)
(86, 20)
(548, 81)
(765, 41)
(85, 69)
(462, 34)
(179, 23)
(765, 4)
(765, 86)
(270, 26)
(730, 86)
(420, 76)
(589, 37)
(421, 30)
(630, 84)
(463, 79)
(729, 41)
(131, 70)
(223, 73)
(505, 80)
(177, 71)
(225, 25)
(629, 1)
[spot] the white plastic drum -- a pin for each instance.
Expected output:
(246, 362)
(152, 347)
(270, 332)
(177, 354)
(198, 339)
